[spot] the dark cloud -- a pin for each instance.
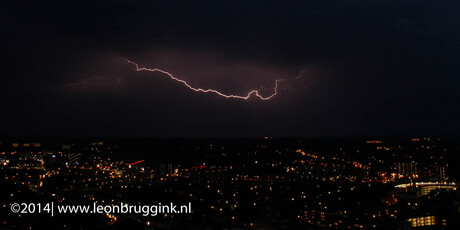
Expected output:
(374, 68)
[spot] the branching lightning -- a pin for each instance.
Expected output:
(252, 93)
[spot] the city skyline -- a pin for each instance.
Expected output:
(258, 183)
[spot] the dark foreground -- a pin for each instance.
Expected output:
(266, 183)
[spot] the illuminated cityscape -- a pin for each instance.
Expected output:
(266, 183)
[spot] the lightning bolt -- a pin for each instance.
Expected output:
(252, 93)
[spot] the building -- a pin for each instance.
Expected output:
(423, 188)
(407, 169)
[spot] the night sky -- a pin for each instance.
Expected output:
(369, 68)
